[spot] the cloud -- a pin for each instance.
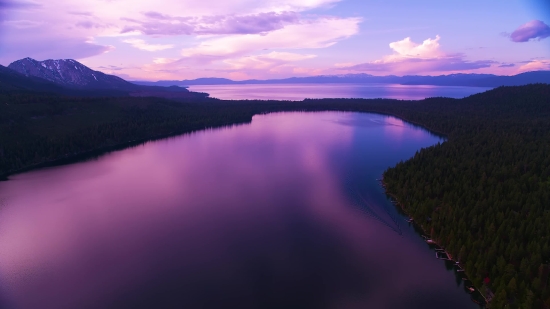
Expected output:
(275, 64)
(59, 17)
(266, 61)
(160, 24)
(14, 4)
(319, 33)
(535, 65)
(6, 6)
(299, 5)
(22, 24)
(51, 48)
(111, 68)
(254, 55)
(164, 60)
(413, 58)
(507, 65)
(87, 14)
(89, 25)
(421, 66)
(534, 29)
(134, 9)
(141, 44)
(409, 49)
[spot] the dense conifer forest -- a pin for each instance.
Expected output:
(484, 194)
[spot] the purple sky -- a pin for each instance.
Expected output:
(240, 39)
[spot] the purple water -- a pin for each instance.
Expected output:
(284, 212)
(298, 92)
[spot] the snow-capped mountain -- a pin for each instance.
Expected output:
(70, 73)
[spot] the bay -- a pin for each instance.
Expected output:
(284, 212)
(298, 92)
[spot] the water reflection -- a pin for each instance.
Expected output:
(284, 212)
(298, 92)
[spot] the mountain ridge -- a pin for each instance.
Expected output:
(70, 73)
(458, 79)
(70, 77)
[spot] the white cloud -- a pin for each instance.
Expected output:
(413, 58)
(409, 49)
(299, 5)
(164, 60)
(141, 44)
(319, 33)
(79, 20)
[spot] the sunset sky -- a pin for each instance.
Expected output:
(242, 39)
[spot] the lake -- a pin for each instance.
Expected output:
(284, 212)
(298, 92)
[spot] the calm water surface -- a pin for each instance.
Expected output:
(284, 212)
(298, 92)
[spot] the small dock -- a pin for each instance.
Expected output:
(442, 255)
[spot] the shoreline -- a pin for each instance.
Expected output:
(96, 152)
(93, 153)
(87, 154)
(401, 206)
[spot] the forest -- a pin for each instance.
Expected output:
(484, 194)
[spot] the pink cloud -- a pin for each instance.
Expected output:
(90, 24)
(268, 61)
(415, 65)
(17, 4)
(87, 14)
(7, 6)
(21, 24)
(141, 44)
(274, 64)
(58, 47)
(160, 24)
(535, 65)
(315, 34)
(414, 58)
(534, 29)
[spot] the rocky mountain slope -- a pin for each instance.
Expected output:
(70, 77)
(11, 80)
(70, 73)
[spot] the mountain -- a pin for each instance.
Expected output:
(70, 73)
(471, 80)
(480, 80)
(70, 77)
(12, 80)
(183, 83)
